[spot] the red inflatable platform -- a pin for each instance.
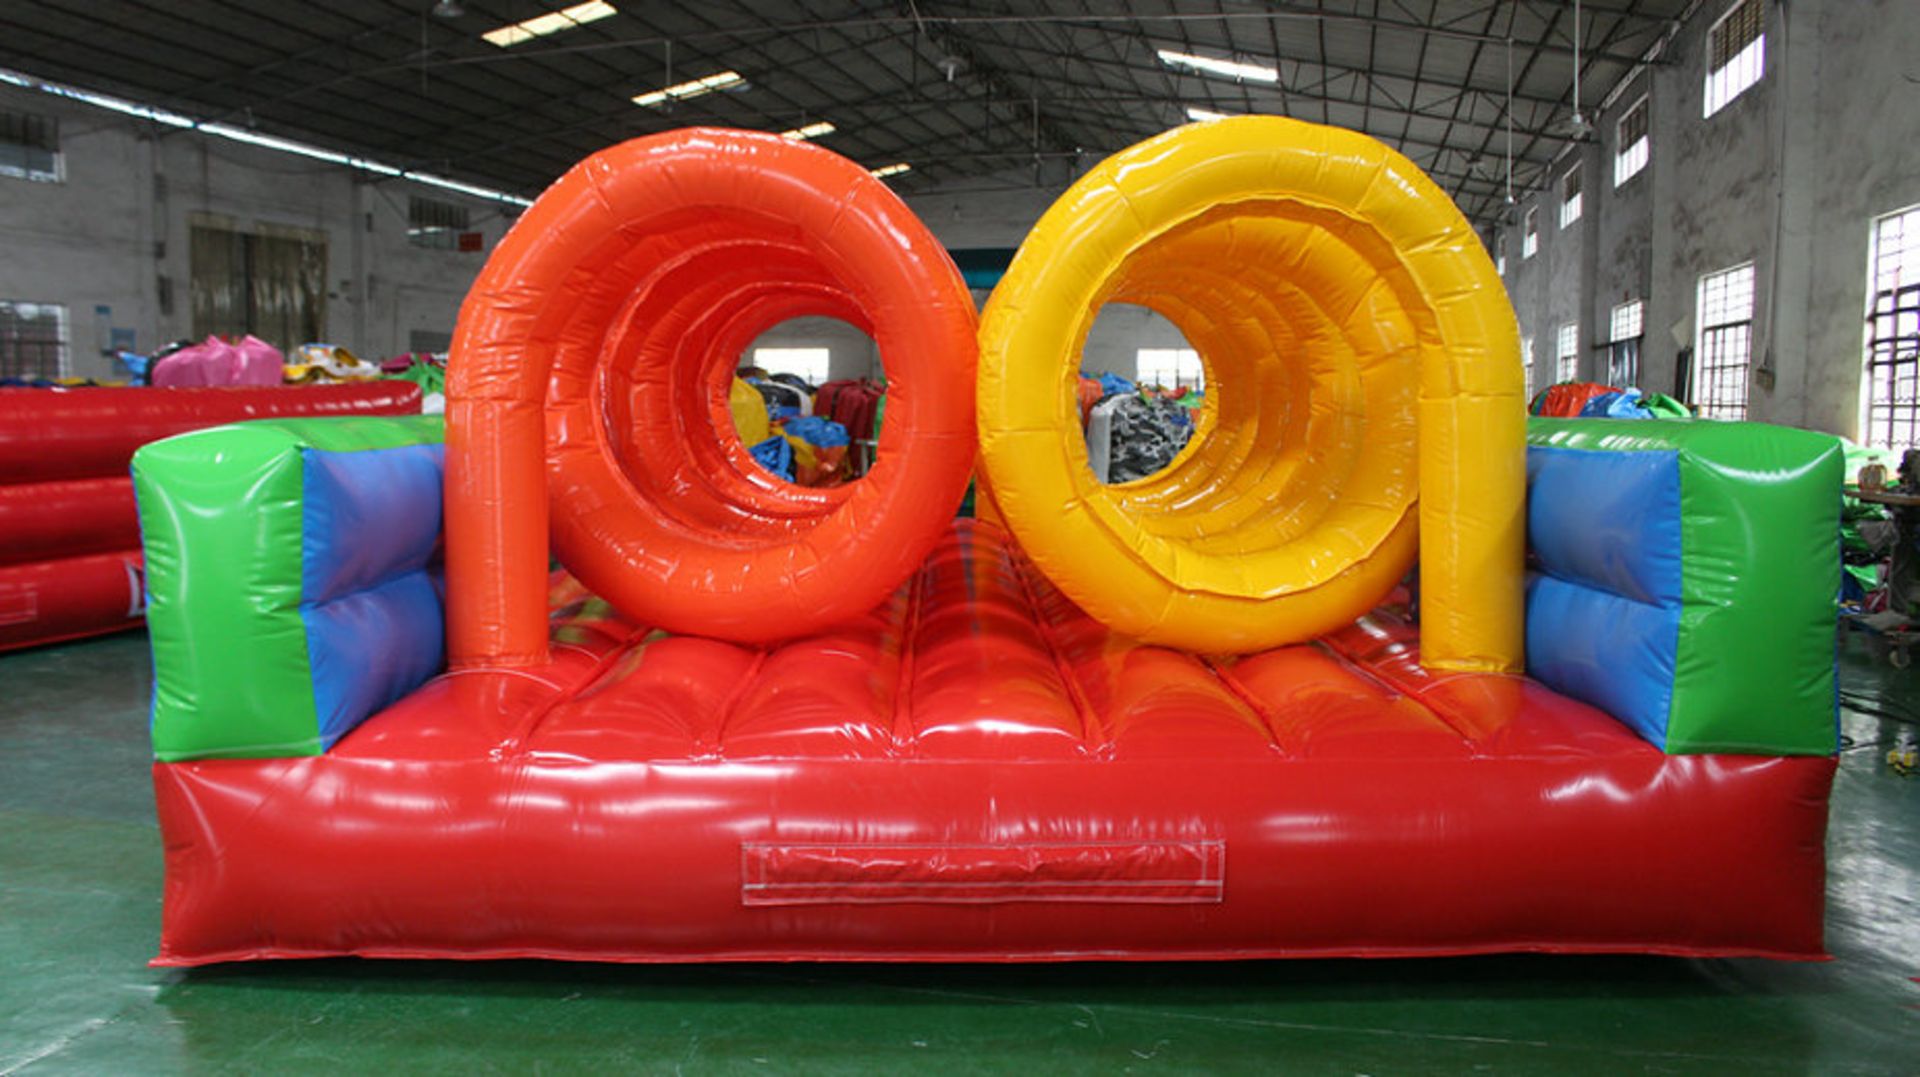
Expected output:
(966, 773)
(70, 562)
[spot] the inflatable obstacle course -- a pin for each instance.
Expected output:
(767, 723)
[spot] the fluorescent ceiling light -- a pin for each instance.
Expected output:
(891, 170)
(1205, 115)
(254, 138)
(551, 23)
(1208, 65)
(681, 91)
(812, 130)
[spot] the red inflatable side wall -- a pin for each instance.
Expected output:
(69, 537)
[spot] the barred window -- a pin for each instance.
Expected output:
(1170, 368)
(30, 147)
(1632, 143)
(1570, 196)
(1623, 346)
(436, 224)
(33, 339)
(1530, 235)
(1891, 396)
(1736, 53)
(1526, 362)
(1567, 363)
(1725, 347)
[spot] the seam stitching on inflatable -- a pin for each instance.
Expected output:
(1268, 719)
(1397, 690)
(734, 697)
(516, 745)
(1102, 743)
(902, 727)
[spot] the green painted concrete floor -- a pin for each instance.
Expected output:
(80, 875)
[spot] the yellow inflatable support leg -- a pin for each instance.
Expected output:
(1364, 396)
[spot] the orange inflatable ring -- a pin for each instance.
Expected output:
(587, 396)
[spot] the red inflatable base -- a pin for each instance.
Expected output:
(976, 771)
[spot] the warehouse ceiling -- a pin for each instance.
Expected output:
(976, 93)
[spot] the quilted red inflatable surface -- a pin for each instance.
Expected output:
(977, 771)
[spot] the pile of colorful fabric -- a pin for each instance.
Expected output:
(779, 419)
(1133, 432)
(1592, 400)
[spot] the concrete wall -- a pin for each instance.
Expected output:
(114, 234)
(1790, 175)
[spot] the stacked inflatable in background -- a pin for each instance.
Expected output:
(70, 562)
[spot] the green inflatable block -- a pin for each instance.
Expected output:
(1747, 646)
(254, 598)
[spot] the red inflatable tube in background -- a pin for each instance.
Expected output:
(70, 558)
(51, 434)
(49, 601)
(41, 521)
(589, 380)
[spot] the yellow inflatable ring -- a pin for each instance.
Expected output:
(1363, 380)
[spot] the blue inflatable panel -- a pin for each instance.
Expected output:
(1608, 650)
(373, 610)
(367, 516)
(1610, 520)
(369, 648)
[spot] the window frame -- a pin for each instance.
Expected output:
(1626, 162)
(1530, 232)
(1892, 318)
(1526, 363)
(1566, 352)
(1189, 369)
(1571, 202)
(1623, 344)
(12, 362)
(824, 351)
(56, 170)
(1716, 96)
(437, 223)
(1711, 376)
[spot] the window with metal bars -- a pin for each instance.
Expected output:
(1724, 348)
(1526, 362)
(1623, 347)
(30, 147)
(436, 224)
(1570, 196)
(1170, 368)
(33, 339)
(1891, 381)
(1632, 143)
(1736, 53)
(1566, 365)
(1530, 234)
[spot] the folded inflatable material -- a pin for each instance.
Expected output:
(292, 579)
(1687, 578)
(52, 434)
(588, 389)
(1363, 373)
